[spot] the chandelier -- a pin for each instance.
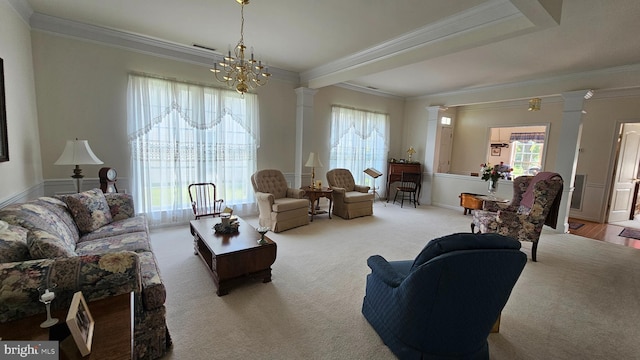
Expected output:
(237, 71)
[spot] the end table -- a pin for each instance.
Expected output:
(314, 195)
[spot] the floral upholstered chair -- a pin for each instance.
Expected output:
(536, 200)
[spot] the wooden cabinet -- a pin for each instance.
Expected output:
(395, 170)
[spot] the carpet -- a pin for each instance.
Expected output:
(579, 301)
(575, 225)
(630, 233)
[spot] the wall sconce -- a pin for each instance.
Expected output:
(534, 104)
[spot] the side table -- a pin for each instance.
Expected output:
(314, 196)
(112, 334)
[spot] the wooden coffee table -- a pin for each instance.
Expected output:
(112, 334)
(232, 258)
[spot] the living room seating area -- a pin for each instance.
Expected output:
(90, 242)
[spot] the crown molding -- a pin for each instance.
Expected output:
(138, 43)
(448, 30)
(23, 9)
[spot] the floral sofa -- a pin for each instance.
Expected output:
(90, 242)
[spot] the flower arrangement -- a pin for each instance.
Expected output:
(495, 172)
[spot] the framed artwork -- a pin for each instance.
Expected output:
(80, 323)
(4, 144)
(496, 151)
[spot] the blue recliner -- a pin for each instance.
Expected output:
(443, 304)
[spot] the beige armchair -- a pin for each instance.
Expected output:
(349, 200)
(281, 208)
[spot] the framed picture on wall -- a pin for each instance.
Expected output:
(4, 144)
(496, 151)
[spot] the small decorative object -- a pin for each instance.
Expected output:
(228, 225)
(262, 230)
(411, 151)
(313, 162)
(494, 173)
(80, 323)
(108, 177)
(46, 297)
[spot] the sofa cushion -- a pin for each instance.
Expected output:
(464, 241)
(137, 241)
(35, 215)
(60, 209)
(13, 243)
(89, 209)
(130, 225)
(44, 245)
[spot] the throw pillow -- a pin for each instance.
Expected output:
(13, 243)
(43, 245)
(89, 209)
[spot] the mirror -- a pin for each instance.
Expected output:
(518, 147)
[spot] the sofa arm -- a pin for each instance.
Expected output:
(120, 205)
(381, 268)
(362, 188)
(97, 276)
(339, 190)
(295, 193)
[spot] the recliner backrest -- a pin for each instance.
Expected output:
(341, 178)
(464, 241)
(270, 181)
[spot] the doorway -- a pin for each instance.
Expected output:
(623, 199)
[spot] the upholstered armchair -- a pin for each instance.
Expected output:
(522, 221)
(443, 304)
(281, 207)
(349, 200)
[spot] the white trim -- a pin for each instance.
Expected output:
(139, 43)
(23, 9)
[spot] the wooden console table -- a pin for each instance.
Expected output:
(112, 334)
(395, 170)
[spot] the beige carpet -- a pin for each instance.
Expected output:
(581, 300)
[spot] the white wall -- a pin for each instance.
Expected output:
(23, 172)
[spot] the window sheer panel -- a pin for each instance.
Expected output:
(183, 133)
(359, 140)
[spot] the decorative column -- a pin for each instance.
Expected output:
(567, 154)
(429, 162)
(304, 129)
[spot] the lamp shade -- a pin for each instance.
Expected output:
(77, 152)
(313, 161)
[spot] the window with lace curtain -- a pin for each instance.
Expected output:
(359, 140)
(182, 133)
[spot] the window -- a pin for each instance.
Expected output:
(359, 140)
(518, 147)
(182, 133)
(526, 158)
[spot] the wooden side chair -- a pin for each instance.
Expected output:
(204, 200)
(409, 185)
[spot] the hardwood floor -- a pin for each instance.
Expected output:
(604, 232)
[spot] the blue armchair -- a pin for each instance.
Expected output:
(443, 304)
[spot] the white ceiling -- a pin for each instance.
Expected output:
(406, 48)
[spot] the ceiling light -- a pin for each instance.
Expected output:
(534, 104)
(237, 71)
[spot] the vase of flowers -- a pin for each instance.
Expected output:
(493, 173)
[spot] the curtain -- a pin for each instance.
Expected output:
(181, 133)
(359, 140)
(537, 137)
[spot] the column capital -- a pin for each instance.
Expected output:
(574, 100)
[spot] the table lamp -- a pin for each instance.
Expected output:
(77, 152)
(313, 162)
